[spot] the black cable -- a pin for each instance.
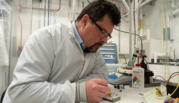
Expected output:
(88, 1)
(172, 74)
(163, 85)
(133, 34)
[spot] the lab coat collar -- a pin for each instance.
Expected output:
(70, 29)
(71, 32)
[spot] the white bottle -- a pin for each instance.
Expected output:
(138, 78)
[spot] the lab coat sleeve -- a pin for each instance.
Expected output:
(30, 80)
(99, 71)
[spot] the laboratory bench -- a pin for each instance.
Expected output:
(128, 95)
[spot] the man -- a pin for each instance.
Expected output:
(62, 64)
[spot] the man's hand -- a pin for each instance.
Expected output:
(95, 89)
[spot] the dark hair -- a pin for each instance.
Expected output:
(97, 9)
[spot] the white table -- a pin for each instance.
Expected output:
(130, 96)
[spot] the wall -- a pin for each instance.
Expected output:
(153, 24)
(60, 16)
(174, 26)
(154, 21)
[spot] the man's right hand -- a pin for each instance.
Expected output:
(95, 89)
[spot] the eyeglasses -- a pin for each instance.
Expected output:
(103, 32)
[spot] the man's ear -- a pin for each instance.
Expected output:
(85, 20)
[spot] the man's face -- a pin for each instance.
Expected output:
(95, 37)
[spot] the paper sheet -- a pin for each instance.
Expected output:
(150, 97)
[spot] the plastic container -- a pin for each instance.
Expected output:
(138, 77)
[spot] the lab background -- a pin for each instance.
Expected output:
(156, 21)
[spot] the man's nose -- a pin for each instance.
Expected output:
(104, 40)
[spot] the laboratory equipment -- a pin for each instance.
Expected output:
(171, 88)
(113, 95)
(123, 77)
(124, 74)
(112, 98)
(113, 67)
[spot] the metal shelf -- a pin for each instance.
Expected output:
(108, 45)
(108, 58)
(107, 53)
(107, 49)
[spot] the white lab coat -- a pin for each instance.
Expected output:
(50, 66)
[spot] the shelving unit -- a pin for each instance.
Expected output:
(108, 52)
